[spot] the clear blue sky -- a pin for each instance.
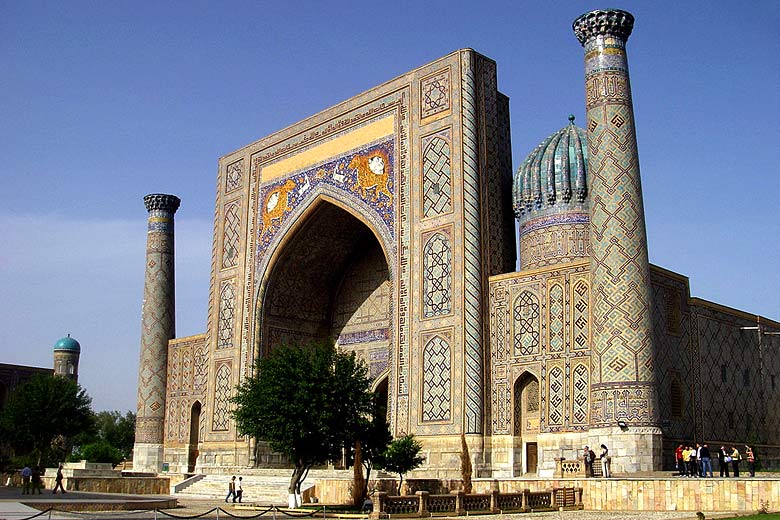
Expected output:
(103, 102)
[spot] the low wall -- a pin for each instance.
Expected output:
(615, 494)
(125, 485)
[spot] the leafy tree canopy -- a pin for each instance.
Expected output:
(43, 411)
(307, 401)
(402, 456)
(110, 441)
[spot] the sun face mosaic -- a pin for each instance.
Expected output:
(365, 173)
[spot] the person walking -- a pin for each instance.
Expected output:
(26, 474)
(735, 458)
(231, 489)
(58, 481)
(723, 464)
(706, 461)
(751, 459)
(239, 490)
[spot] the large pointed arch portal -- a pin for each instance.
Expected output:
(329, 277)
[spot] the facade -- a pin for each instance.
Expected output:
(387, 222)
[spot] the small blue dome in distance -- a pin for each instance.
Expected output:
(67, 343)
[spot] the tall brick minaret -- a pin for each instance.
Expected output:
(624, 386)
(158, 325)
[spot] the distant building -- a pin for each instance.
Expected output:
(387, 222)
(66, 363)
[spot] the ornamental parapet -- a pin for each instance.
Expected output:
(603, 22)
(162, 202)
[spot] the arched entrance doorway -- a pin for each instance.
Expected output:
(525, 424)
(329, 278)
(192, 448)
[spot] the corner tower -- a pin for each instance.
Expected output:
(624, 396)
(158, 325)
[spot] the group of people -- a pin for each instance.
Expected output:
(32, 480)
(235, 489)
(696, 461)
(590, 457)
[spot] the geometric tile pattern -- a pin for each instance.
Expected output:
(571, 407)
(231, 237)
(556, 318)
(473, 278)
(581, 383)
(435, 93)
(158, 318)
(233, 176)
(517, 409)
(436, 380)
(555, 397)
(437, 184)
(227, 305)
(580, 319)
(620, 272)
(201, 370)
(437, 276)
(526, 324)
(187, 373)
(221, 398)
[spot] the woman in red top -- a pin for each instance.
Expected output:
(678, 460)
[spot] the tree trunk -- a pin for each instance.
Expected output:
(358, 482)
(293, 497)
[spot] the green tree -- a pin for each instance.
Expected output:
(402, 456)
(98, 451)
(41, 413)
(307, 401)
(375, 437)
(111, 440)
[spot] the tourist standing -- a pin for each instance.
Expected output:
(58, 481)
(239, 490)
(37, 483)
(706, 461)
(26, 474)
(722, 462)
(679, 465)
(687, 461)
(751, 458)
(694, 461)
(735, 458)
(231, 489)
(606, 461)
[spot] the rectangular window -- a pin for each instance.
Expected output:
(746, 377)
(773, 381)
(723, 373)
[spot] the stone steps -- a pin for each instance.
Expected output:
(261, 486)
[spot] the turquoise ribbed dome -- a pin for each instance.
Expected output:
(553, 176)
(67, 343)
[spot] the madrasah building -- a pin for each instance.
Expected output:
(388, 223)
